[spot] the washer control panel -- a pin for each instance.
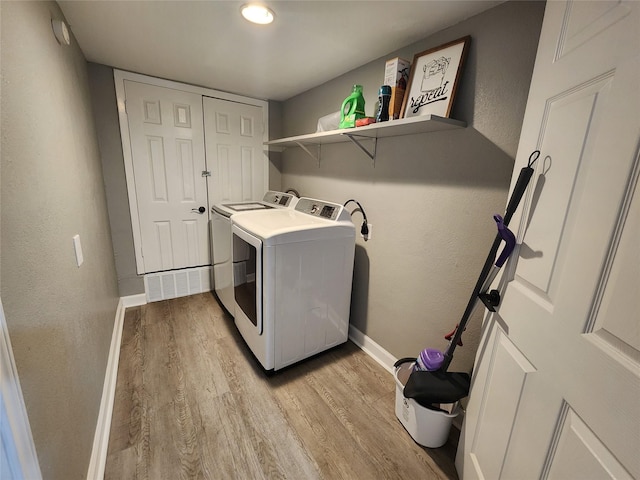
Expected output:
(278, 198)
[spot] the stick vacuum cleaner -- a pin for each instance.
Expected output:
(437, 385)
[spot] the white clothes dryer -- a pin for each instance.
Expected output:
(221, 238)
(293, 292)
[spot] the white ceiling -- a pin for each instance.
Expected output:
(208, 43)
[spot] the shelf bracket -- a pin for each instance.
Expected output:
(315, 157)
(357, 141)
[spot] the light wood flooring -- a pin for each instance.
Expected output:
(192, 402)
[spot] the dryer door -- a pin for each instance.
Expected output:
(221, 233)
(221, 255)
(247, 279)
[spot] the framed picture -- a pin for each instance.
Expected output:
(434, 79)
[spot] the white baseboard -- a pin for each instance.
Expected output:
(134, 300)
(103, 427)
(372, 349)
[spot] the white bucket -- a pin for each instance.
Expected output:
(430, 428)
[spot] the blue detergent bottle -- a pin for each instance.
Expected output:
(352, 108)
(384, 98)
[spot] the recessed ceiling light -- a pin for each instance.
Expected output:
(257, 13)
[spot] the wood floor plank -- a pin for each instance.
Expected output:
(279, 449)
(160, 377)
(323, 434)
(192, 402)
(364, 423)
(202, 377)
(196, 335)
(126, 403)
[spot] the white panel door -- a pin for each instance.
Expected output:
(556, 388)
(235, 154)
(167, 148)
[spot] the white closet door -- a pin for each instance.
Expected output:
(235, 154)
(167, 148)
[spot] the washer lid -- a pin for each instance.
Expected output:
(286, 226)
(245, 207)
(228, 209)
(271, 199)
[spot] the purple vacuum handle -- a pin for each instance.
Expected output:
(508, 237)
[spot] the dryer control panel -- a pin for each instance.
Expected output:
(322, 209)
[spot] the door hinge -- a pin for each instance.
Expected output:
(206, 173)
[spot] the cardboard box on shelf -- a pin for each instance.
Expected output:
(395, 104)
(396, 72)
(396, 75)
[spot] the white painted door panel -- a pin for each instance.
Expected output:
(235, 155)
(556, 389)
(167, 147)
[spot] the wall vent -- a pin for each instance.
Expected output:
(177, 283)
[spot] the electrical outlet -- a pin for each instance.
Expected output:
(368, 235)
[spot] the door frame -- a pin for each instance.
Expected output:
(15, 431)
(119, 77)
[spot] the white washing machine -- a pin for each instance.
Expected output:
(221, 238)
(292, 291)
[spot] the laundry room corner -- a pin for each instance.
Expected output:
(430, 197)
(275, 158)
(105, 114)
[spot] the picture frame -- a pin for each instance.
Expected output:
(434, 79)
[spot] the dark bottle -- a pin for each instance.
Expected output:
(384, 98)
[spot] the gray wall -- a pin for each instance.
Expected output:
(430, 197)
(275, 158)
(60, 317)
(103, 97)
